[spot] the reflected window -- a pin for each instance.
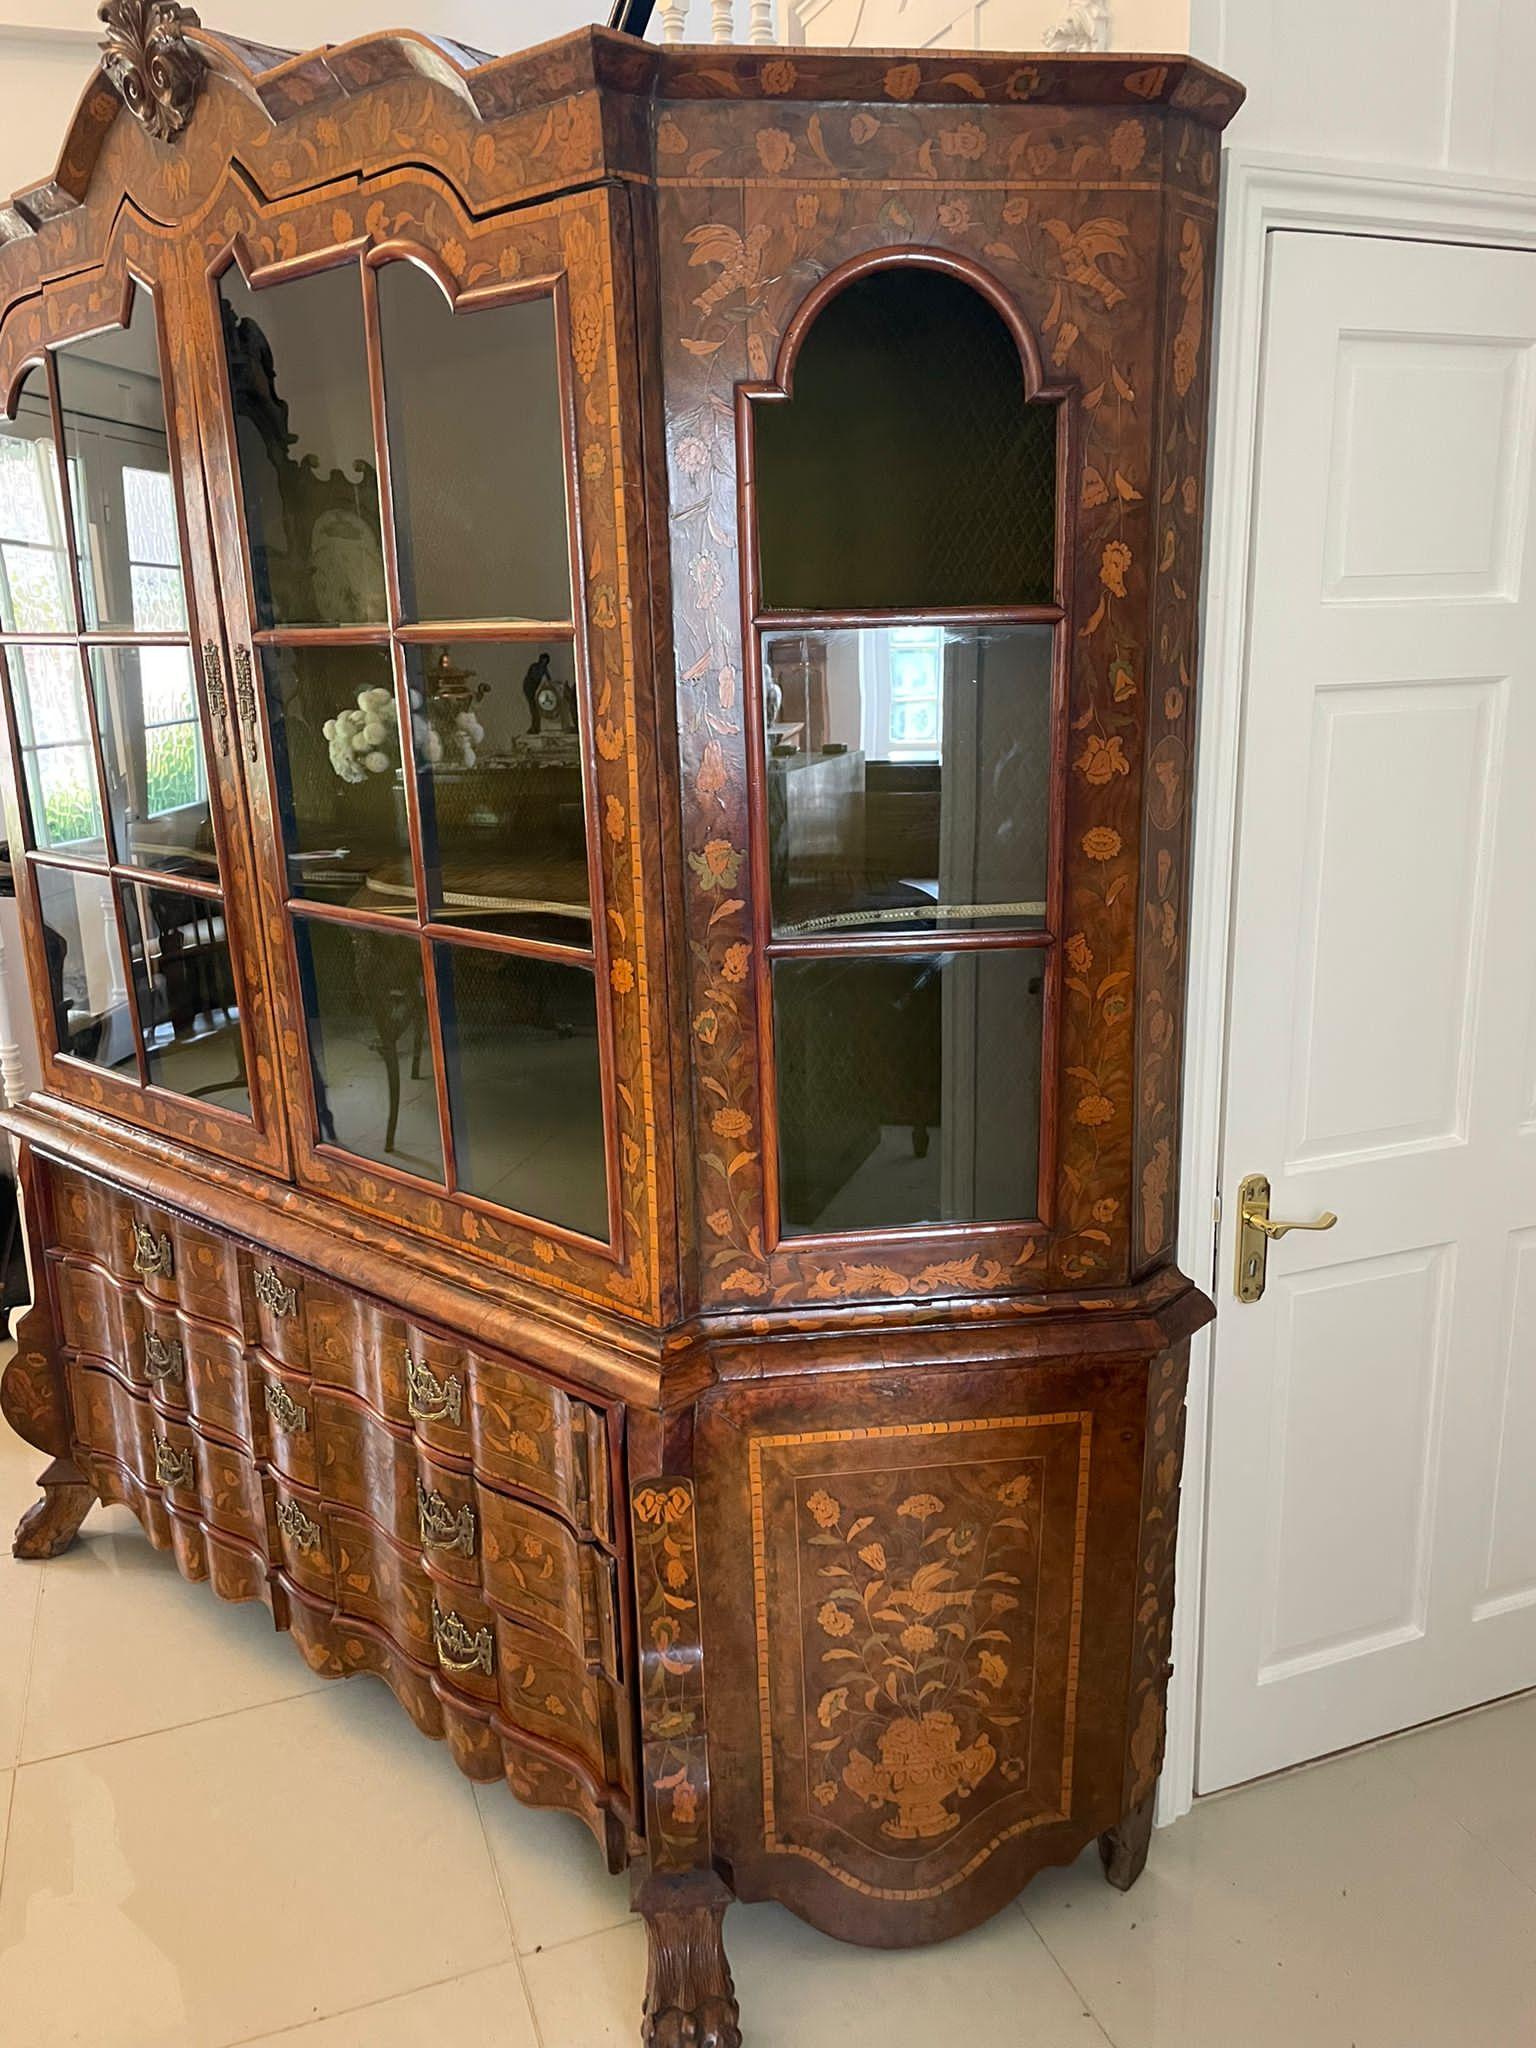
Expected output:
(909, 773)
(189, 1018)
(152, 750)
(118, 457)
(35, 594)
(53, 724)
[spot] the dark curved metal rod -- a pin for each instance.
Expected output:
(632, 16)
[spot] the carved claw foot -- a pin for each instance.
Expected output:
(1124, 1849)
(50, 1525)
(690, 2001)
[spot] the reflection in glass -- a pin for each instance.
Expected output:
(520, 1041)
(372, 1070)
(119, 467)
(184, 984)
(336, 745)
(87, 983)
(34, 558)
(503, 815)
(908, 1088)
(152, 746)
(54, 729)
(476, 453)
(298, 380)
(907, 471)
(909, 777)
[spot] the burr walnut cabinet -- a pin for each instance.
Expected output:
(598, 655)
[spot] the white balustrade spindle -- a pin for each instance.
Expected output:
(760, 24)
(722, 26)
(673, 14)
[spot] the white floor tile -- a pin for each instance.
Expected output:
(553, 1878)
(1482, 1769)
(162, 1651)
(20, 1588)
(1337, 1907)
(214, 1883)
(996, 1988)
(488, 2010)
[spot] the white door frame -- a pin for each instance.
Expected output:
(1262, 192)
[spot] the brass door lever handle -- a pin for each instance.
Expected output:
(1254, 1219)
(1255, 1229)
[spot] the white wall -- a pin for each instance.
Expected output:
(1430, 84)
(1155, 25)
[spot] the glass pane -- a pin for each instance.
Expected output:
(55, 733)
(298, 377)
(341, 797)
(119, 461)
(86, 979)
(909, 774)
(476, 454)
(504, 818)
(185, 986)
(152, 746)
(907, 470)
(520, 1040)
(909, 1088)
(369, 1050)
(34, 568)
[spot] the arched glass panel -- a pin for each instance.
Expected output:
(910, 759)
(906, 473)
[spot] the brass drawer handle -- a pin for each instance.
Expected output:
(282, 1407)
(297, 1526)
(441, 1526)
(172, 1467)
(430, 1399)
(152, 1256)
(162, 1360)
(459, 1649)
(277, 1299)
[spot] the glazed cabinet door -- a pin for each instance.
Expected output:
(420, 464)
(126, 806)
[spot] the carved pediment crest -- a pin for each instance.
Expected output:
(146, 55)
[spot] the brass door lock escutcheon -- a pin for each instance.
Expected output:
(1255, 1228)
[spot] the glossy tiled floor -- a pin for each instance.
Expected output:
(201, 1845)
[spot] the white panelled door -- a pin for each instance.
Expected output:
(1371, 1543)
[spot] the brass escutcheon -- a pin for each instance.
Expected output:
(172, 1467)
(441, 1526)
(277, 1299)
(152, 1255)
(429, 1398)
(297, 1526)
(282, 1407)
(458, 1647)
(162, 1360)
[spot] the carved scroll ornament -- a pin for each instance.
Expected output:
(146, 55)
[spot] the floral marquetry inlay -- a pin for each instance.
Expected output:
(918, 1696)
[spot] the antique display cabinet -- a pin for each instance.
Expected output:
(598, 656)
